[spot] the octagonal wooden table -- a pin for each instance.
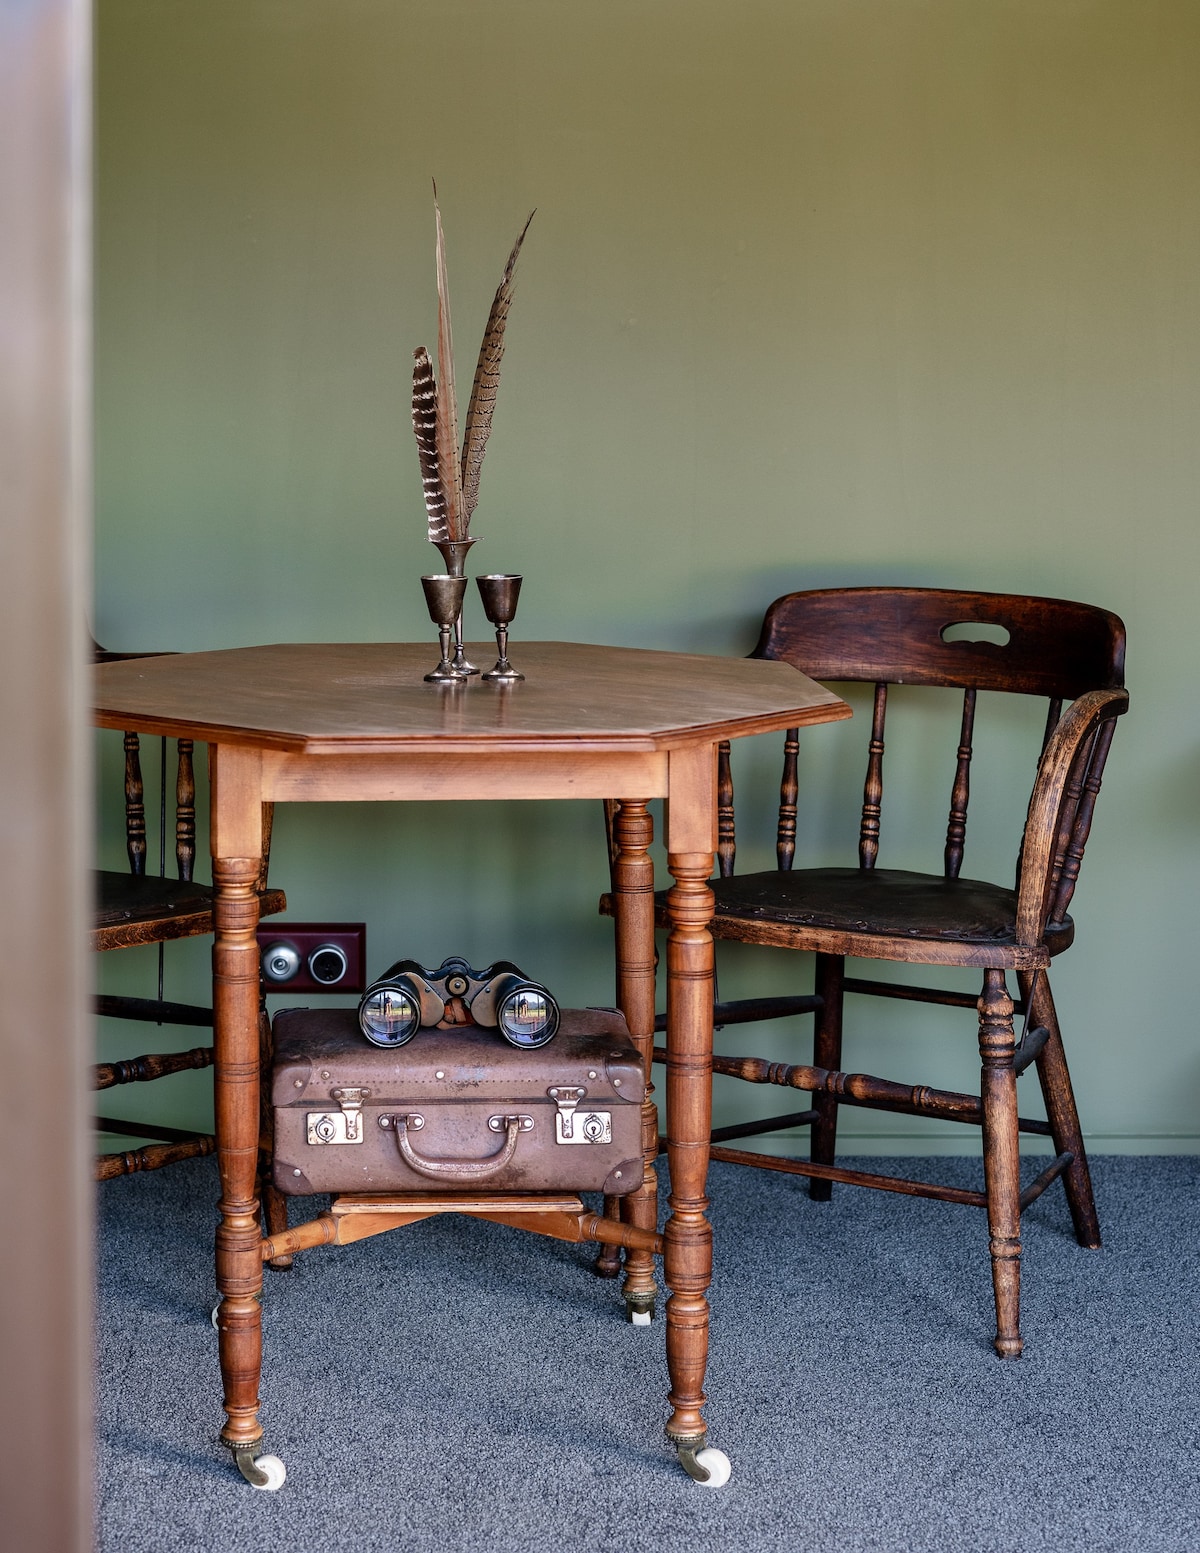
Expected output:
(298, 723)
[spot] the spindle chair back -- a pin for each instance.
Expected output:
(901, 636)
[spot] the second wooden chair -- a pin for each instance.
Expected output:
(139, 907)
(1063, 651)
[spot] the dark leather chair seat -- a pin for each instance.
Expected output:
(889, 901)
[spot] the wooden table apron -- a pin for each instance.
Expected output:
(351, 722)
(243, 778)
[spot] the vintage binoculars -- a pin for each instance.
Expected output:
(407, 997)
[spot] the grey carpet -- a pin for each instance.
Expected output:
(457, 1385)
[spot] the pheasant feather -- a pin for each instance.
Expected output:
(483, 389)
(424, 414)
(451, 476)
(447, 405)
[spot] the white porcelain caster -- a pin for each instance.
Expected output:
(274, 1472)
(708, 1466)
(266, 1473)
(639, 1309)
(715, 1462)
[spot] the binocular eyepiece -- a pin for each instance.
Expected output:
(407, 998)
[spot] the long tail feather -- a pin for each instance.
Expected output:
(424, 415)
(483, 389)
(447, 405)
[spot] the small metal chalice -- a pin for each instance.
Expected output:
(499, 592)
(444, 600)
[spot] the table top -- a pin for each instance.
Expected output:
(371, 698)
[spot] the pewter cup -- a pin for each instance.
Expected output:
(499, 592)
(444, 600)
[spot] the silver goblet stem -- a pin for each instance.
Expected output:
(461, 667)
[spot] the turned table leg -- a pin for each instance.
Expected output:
(239, 1263)
(633, 908)
(237, 848)
(687, 1258)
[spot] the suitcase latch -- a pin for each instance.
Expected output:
(572, 1125)
(341, 1126)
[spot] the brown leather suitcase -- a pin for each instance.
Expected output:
(455, 1109)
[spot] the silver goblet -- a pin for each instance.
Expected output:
(499, 592)
(444, 600)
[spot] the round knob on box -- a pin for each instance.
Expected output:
(280, 961)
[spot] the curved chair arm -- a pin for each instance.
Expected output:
(1060, 810)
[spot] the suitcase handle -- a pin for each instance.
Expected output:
(457, 1169)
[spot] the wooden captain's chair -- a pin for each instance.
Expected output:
(1071, 654)
(140, 907)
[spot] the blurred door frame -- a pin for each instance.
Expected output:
(45, 835)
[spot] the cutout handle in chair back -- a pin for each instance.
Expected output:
(976, 631)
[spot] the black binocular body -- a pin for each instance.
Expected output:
(408, 997)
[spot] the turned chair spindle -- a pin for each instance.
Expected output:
(960, 794)
(789, 791)
(872, 808)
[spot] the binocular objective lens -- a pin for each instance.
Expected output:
(389, 1017)
(527, 1017)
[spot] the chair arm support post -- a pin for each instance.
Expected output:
(1035, 897)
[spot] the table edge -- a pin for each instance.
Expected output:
(833, 710)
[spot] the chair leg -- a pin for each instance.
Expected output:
(1001, 1158)
(274, 1203)
(633, 908)
(1060, 1110)
(827, 1053)
(608, 1261)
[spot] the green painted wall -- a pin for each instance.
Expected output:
(818, 292)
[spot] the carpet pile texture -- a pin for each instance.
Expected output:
(463, 1386)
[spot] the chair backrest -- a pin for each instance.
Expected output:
(185, 796)
(969, 641)
(906, 636)
(185, 807)
(135, 807)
